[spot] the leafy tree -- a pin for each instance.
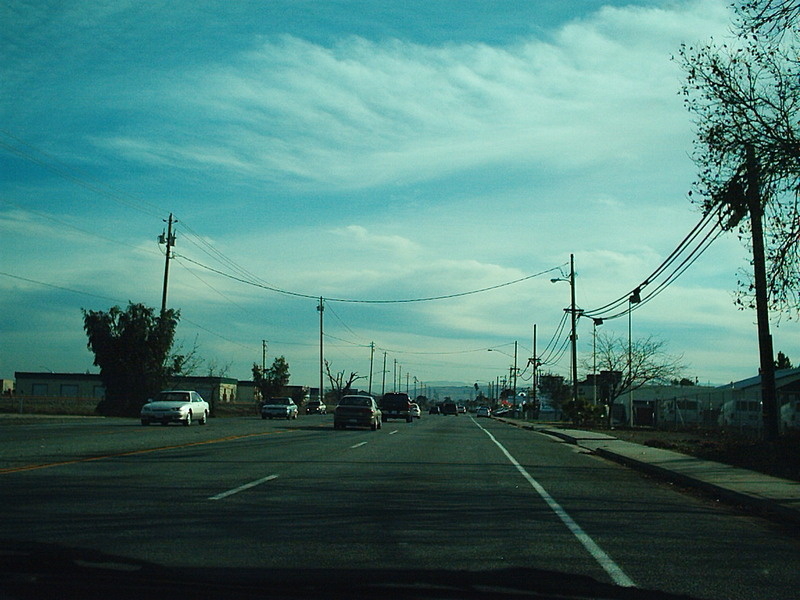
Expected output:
(272, 381)
(132, 348)
(783, 361)
(555, 389)
(649, 363)
(582, 411)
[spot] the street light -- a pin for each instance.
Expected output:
(634, 298)
(514, 368)
(574, 315)
(595, 322)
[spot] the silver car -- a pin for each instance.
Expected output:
(175, 406)
(281, 408)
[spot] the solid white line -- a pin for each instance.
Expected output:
(617, 574)
(241, 488)
(359, 444)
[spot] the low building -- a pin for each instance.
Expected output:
(214, 390)
(89, 385)
(89, 388)
(60, 385)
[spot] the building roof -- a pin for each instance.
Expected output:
(783, 377)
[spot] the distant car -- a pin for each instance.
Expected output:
(281, 408)
(434, 410)
(315, 407)
(357, 411)
(483, 411)
(462, 410)
(415, 411)
(175, 406)
(449, 408)
(396, 405)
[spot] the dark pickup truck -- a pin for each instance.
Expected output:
(396, 405)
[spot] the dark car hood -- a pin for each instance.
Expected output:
(41, 571)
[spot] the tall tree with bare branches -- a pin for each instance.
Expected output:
(625, 368)
(745, 97)
(340, 385)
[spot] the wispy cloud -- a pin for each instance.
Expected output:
(363, 113)
(354, 164)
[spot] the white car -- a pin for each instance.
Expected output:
(175, 406)
(484, 411)
(281, 408)
(415, 411)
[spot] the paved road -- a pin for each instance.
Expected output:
(441, 495)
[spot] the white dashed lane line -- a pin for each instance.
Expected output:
(244, 487)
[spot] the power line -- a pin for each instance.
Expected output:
(706, 235)
(364, 301)
(29, 152)
(116, 300)
(679, 270)
(550, 349)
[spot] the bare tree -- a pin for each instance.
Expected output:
(768, 17)
(625, 368)
(215, 369)
(745, 96)
(339, 385)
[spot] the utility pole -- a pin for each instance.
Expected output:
(534, 364)
(169, 240)
(595, 322)
(515, 372)
(321, 309)
(574, 314)
(769, 402)
(383, 378)
(634, 298)
(263, 356)
(371, 358)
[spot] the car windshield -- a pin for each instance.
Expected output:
(174, 397)
(552, 246)
(355, 401)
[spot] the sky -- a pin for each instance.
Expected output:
(426, 167)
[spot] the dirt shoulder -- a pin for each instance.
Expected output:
(780, 459)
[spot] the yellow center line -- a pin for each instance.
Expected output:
(62, 463)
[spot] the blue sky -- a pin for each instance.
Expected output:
(364, 151)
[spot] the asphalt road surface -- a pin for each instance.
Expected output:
(453, 495)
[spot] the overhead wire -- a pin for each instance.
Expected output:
(550, 348)
(47, 161)
(329, 299)
(710, 237)
(116, 300)
(552, 353)
(702, 232)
